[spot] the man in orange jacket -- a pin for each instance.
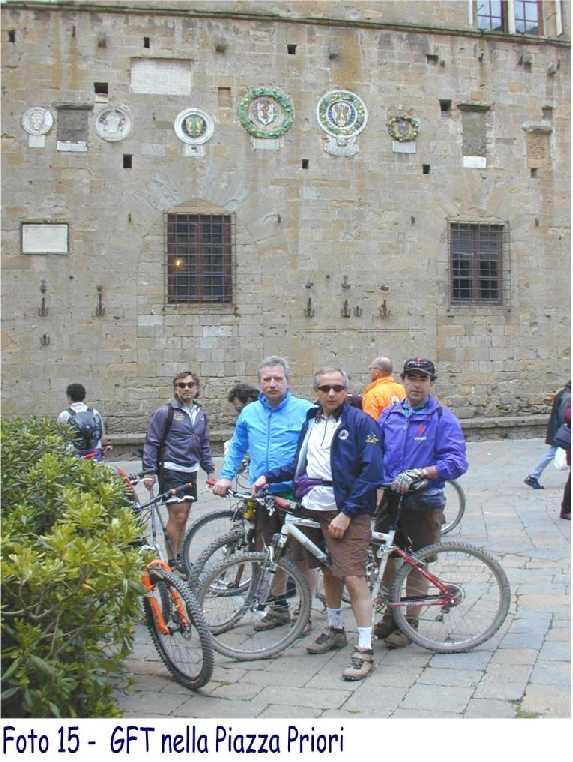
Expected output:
(382, 391)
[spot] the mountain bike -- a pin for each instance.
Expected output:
(171, 611)
(211, 528)
(466, 601)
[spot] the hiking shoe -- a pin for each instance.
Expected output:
(399, 639)
(274, 616)
(329, 640)
(361, 664)
(532, 482)
(386, 626)
(566, 516)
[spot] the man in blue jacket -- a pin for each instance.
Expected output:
(420, 439)
(267, 431)
(337, 468)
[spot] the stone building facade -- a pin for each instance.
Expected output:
(200, 184)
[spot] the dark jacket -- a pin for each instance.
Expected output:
(558, 408)
(355, 459)
(185, 444)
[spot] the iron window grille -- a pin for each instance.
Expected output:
(199, 258)
(479, 264)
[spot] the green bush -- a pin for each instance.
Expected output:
(70, 579)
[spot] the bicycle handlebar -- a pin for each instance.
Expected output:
(169, 493)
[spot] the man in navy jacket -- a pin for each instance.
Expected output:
(337, 469)
(420, 439)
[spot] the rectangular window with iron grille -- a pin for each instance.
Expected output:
(199, 258)
(476, 262)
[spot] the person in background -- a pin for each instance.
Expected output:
(241, 395)
(566, 500)
(87, 424)
(176, 445)
(556, 418)
(382, 391)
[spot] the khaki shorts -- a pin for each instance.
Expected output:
(348, 556)
(420, 521)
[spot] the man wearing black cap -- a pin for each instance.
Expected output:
(421, 439)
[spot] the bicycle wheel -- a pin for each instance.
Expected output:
(187, 649)
(474, 605)
(229, 544)
(232, 617)
(455, 506)
(201, 533)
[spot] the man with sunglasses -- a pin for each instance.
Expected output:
(421, 440)
(177, 443)
(337, 468)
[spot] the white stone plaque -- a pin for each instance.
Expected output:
(64, 145)
(37, 141)
(160, 76)
(266, 144)
(475, 162)
(407, 147)
(38, 238)
(196, 152)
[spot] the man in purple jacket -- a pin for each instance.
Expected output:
(177, 443)
(420, 439)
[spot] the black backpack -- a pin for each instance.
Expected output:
(87, 426)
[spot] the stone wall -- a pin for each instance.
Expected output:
(364, 236)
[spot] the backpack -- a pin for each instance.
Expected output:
(88, 429)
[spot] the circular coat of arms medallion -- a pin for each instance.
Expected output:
(403, 129)
(37, 120)
(341, 113)
(194, 126)
(113, 123)
(266, 112)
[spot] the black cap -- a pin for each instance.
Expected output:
(420, 365)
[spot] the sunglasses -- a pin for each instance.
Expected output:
(184, 385)
(335, 388)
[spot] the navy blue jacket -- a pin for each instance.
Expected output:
(355, 459)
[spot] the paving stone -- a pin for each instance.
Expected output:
(472, 660)
(147, 704)
(556, 651)
(558, 634)
(546, 701)
(514, 656)
(217, 708)
(551, 673)
(490, 709)
(446, 699)
(450, 677)
(382, 701)
(239, 690)
(316, 698)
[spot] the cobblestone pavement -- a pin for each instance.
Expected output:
(523, 671)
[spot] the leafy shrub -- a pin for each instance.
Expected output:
(70, 579)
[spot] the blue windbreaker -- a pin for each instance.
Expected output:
(355, 459)
(415, 438)
(269, 435)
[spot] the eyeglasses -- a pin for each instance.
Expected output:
(335, 388)
(184, 385)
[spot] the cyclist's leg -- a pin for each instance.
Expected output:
(178, 513)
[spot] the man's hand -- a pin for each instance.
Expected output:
(211, 479)
(221, 487)
(404, 481)
(338, 526)
(149, 481)
(259, 484)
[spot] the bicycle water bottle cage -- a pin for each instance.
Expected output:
(278, 544)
